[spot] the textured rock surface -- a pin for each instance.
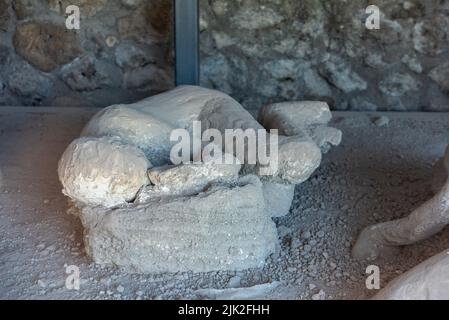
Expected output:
(202, 233)
(4, 14)
(87, 74)
(441, 76)
(46, 46)
(25, 81)
(121, 54)
(266, 51)
(87, 7)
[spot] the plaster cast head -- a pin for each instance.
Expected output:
(102, 171)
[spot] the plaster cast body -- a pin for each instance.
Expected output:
(425, 221)
(188, 217)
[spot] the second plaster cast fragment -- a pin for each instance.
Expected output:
(425, 221)
(428, 280)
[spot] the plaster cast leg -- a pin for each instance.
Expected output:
(298, 156)
(304, 118)
(425, 221)
(148, 124)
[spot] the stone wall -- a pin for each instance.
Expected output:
(262, 51)
(121, 53)
(259, 51)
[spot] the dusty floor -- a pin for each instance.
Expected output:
(377, 174)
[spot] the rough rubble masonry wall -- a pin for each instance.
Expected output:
(121, 54)
(262, 51)
(259, 51)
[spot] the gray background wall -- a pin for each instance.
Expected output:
(259, 51)
(122, 52)
(273, 50)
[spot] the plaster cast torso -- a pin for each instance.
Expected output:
(149, 123)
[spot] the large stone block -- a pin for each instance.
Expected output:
(46, 46)
(27, 82)
(440, 75)
(24, 8)
(4, 14)
(148, 23)
(87, 74)
(87, 7)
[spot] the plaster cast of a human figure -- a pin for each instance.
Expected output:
(423, 222)
(142, 212)
(428, 280)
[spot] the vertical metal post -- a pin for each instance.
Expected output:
(186, 41)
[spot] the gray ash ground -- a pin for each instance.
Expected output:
(379, 173)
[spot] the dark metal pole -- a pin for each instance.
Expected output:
(187, 41)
